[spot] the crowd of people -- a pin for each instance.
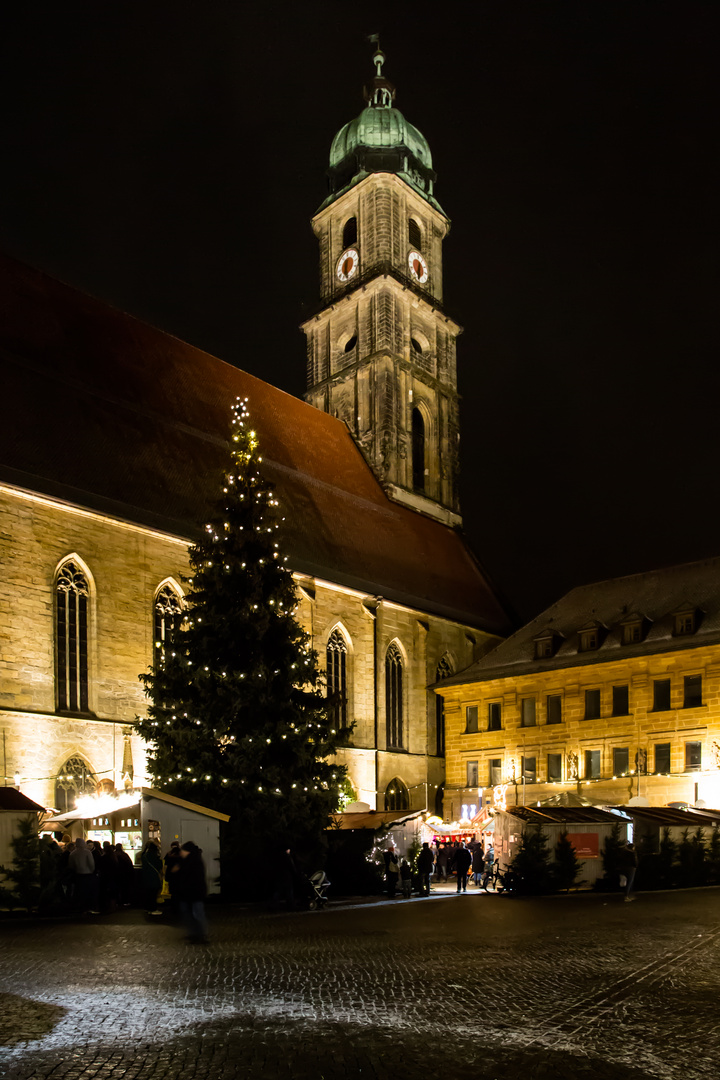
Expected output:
(440, 862)
(93, 878)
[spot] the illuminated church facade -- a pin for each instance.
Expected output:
(111, 449)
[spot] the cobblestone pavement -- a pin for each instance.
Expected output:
(494, 988)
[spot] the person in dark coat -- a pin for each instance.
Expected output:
(126, 876)
(478, 864)
(462, 863)
(191, 890)
(171, 860)
(109, 875)
(425, 865)
(82, 865)
(627, 863)
(489, 866)
(441, 863)
(151, 877)
(392, 870)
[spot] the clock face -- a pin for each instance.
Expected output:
(347, 264)
(418, 267)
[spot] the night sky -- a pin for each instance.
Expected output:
(167, 158)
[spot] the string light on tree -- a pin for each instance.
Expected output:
(241, 667)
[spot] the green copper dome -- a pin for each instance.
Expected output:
(380, 139)
(379, 127)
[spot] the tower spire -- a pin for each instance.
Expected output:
(380, 94)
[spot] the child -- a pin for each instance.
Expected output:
(406, 878)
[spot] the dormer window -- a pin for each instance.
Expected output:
(546, 644)
(589, 638)
(634, 628)
(685, 622)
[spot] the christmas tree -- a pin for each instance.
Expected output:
(237, 719)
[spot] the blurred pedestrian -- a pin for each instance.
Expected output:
(392, 870)
(462, 863)
(406, 879)
(151, 876)
(478, 864)
(627, 864)
(489, 866)
(425, 865)
(191, 891)
(441, 863)
(82, 866)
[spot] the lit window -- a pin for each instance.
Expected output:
(495, 771)
(397, 796)
(71, 635)
(692, 698)
(621, 701)
(336, 666)
(592, 764)
(74, 779)
(661, 695)
(554, 709)
(554, 767)
(527, 712)
(168, 619)
(592, 704)
(662, 757)
(394, 697)
(621, 760)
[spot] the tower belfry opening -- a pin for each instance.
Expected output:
(380, 232)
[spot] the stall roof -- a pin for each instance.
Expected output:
(145, 793)
(563, 815)
(672, 817)
(12, 799)
(373, 819)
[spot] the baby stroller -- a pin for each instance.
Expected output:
(318, 885)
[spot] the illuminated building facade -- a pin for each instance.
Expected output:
(113, 441)
(612, 694)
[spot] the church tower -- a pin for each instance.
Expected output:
(381, 349)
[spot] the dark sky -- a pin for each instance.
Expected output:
(167, 157)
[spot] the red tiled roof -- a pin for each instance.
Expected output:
(112, 414)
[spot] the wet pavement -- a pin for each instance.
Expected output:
(578, 987)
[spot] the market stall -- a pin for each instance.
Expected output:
(134, 817)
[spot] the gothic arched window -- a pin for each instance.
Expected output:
(350, 232)
(394, 697)
(168, 617)
(74, 779)
(336, 658)
(71, 637)
(418, 450)
(414, 234)
(444, 670)
(397, 796)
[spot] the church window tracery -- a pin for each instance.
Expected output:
(336, 666)
(168, 617)
(74, 779)
(397, 796)
(394, 697)
(418, 450)
(71, 637)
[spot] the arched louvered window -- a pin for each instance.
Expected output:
(74, 779)
(418, 450)
(168, 617)
(336, 660)
(71, 638)
(414, 234)
(394, 697)
(350, 232)
(444, 670)
(397, 796)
